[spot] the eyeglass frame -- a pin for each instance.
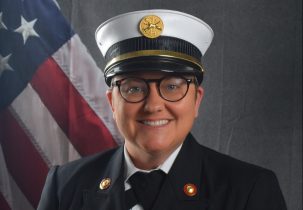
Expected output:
(117, 83)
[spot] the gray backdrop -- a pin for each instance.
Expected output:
(252, 108)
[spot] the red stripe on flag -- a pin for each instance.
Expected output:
(80, 123)
(23, 161)
(3, 204)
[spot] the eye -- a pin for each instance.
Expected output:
(134, 90)
(172, 84)
(132, 86)
(171, 87)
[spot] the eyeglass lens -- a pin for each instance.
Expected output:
(170, 88)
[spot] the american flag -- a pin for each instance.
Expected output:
(52, 100)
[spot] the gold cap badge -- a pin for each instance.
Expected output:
(105, 183)
(151, 26)
(190, 189)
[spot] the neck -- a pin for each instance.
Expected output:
(147, 160)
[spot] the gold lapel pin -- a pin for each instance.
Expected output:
(190, 189)
(105, 183)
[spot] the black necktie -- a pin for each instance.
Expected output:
(146, 187)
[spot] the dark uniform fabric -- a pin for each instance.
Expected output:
(223, 183)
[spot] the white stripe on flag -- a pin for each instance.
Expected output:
(88, 79)
(9, 189)
(47, 137)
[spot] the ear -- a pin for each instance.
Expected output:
(109, 96)
(199, 97)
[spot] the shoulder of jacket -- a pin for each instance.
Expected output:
(85, 166)
(224, 167)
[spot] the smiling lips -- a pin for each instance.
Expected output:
(155, 123)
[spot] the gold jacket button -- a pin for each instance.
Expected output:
(190, 189)
(105, 183)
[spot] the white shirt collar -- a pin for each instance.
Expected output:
(130, 168)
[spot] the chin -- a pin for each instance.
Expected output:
(157, 148)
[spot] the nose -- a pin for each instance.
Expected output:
(154, 102)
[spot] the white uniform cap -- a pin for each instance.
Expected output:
(148, 40)
(176, 24)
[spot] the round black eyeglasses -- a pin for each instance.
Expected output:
(170, 88)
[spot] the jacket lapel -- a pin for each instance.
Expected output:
(112, 197)
(187, 169)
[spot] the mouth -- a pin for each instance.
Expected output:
(155, 123)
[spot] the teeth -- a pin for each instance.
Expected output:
(155, 123)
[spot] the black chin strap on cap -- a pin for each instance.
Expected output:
(153, 63)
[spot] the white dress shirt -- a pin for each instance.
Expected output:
(130, 169)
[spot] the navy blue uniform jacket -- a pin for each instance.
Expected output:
(223, 183)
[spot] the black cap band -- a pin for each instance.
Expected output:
(154, 63)
(161, 43)
(165, 54)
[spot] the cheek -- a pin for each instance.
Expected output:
(121, 117)
(188, 115)
(187, 107)
(125, 116)
(120, 113)
(185, 113)
(118, 107)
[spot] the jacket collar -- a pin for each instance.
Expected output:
(188, 168)
(112, 197)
